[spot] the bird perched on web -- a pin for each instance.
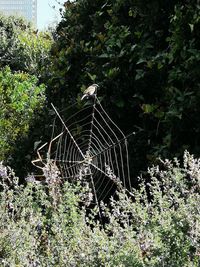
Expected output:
(90, 91)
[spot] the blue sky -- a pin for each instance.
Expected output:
(46, 14)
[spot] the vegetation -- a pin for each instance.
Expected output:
(22, 47)
(20, 97)
(23, 59)
(44, 225)
(145, 57)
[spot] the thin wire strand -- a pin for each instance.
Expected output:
(87, 148)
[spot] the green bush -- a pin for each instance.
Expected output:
(145, 57)
(34, 51)
(24, 50)
(20, 98)
(22, 47)
(156, 225)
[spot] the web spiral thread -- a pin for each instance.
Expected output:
(88, 146)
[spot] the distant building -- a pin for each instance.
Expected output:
(25, 8)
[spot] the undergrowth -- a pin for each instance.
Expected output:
(48, 224)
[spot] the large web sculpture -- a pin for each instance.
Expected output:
(88, 146)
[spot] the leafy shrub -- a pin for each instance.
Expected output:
(34, 51)
(22, 47)
(157, 225)
(145, 57)
(20, 97)
(9, 42)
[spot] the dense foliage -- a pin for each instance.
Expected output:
(20, 98)
(22, 47)
(24, 55)
(43, 225)
(145, 57)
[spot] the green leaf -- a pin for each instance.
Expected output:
(148, 108)
(191, 27)
(120, 103)
(92, 77)
(139, 75)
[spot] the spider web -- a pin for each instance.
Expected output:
(89, 146)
